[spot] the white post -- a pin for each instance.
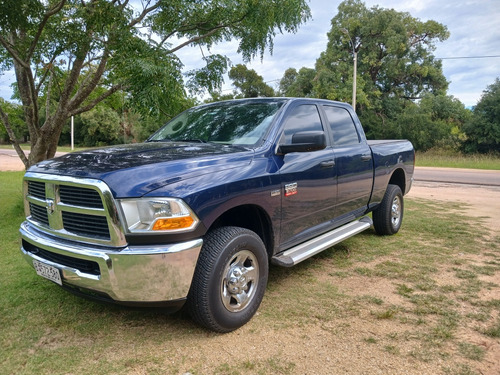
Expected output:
(355, 56)
(354, 81)
(72, 134)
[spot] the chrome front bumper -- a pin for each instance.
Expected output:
(134, 274)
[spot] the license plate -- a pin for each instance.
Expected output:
(49, 272)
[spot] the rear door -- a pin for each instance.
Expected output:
(353, 159)
(308, 179)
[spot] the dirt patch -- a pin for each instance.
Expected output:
(478, 202)
(9, 161)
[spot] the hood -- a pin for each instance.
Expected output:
(137, 169)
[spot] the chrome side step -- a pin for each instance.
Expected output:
(301, 252)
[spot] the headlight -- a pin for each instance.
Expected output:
(157, 214)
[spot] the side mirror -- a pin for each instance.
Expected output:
(304, 142)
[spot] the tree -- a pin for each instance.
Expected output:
(297, 84)
(395, 60)
(69, 55)
(16, 118)
(483, 129)
(101, 126)
(434, 121)
(250, 84)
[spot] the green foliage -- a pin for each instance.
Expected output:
(434, 121)
(483, 129)
(102, 126)
(250, 84)
(16, 118)
(208, 78)
(297, 84)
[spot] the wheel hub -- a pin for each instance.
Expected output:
(396, 211)
(237, 282)
(240, 280)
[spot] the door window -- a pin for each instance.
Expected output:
(343, 128)
(304, 117)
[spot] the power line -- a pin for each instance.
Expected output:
(467, 57)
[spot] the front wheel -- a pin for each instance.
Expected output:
(230, 279)
(388, 216)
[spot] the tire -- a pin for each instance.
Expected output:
(230, 279)
(388, 216)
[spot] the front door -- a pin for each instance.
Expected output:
(354, 163)
(308, 181)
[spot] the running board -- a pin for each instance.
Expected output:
(312, 247)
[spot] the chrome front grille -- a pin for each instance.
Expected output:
(36, 189)
(86, 225)
(73, 208)
(78, 196)
(39, 214)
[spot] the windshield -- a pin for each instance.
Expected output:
(237, 123)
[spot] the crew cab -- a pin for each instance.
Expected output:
(194, 215)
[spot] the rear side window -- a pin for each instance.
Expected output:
(304, 117)
(343, 128)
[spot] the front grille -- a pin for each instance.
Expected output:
(36, 189)
(86, 225)
(73, 208)
(85, 266)
(39, 213)
(78, 196)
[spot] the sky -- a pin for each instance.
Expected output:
(473, 26)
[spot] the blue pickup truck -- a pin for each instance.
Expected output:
(193, 216)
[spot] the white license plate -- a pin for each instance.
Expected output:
(49, 272)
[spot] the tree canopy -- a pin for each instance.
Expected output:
(70, 55)
(299, 83)
(483, 129)
(395, 60)
(250, 84)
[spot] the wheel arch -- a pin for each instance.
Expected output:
(251, 217)
(398, 178)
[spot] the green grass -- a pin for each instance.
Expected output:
(430, 277)
(444, 159)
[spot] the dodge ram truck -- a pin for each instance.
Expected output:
(194, 216)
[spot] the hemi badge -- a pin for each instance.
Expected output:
(275, 193)
(290, 189)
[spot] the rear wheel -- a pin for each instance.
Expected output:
(388, 216)
(230, 279)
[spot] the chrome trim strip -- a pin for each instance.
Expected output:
(132, 274)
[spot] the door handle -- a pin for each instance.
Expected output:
(327, 164)
(366, 157)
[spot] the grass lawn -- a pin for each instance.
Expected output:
(425, 301)
(457, 160)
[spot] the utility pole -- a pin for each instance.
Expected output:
(354, 78)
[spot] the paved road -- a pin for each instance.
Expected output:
(458, 176)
